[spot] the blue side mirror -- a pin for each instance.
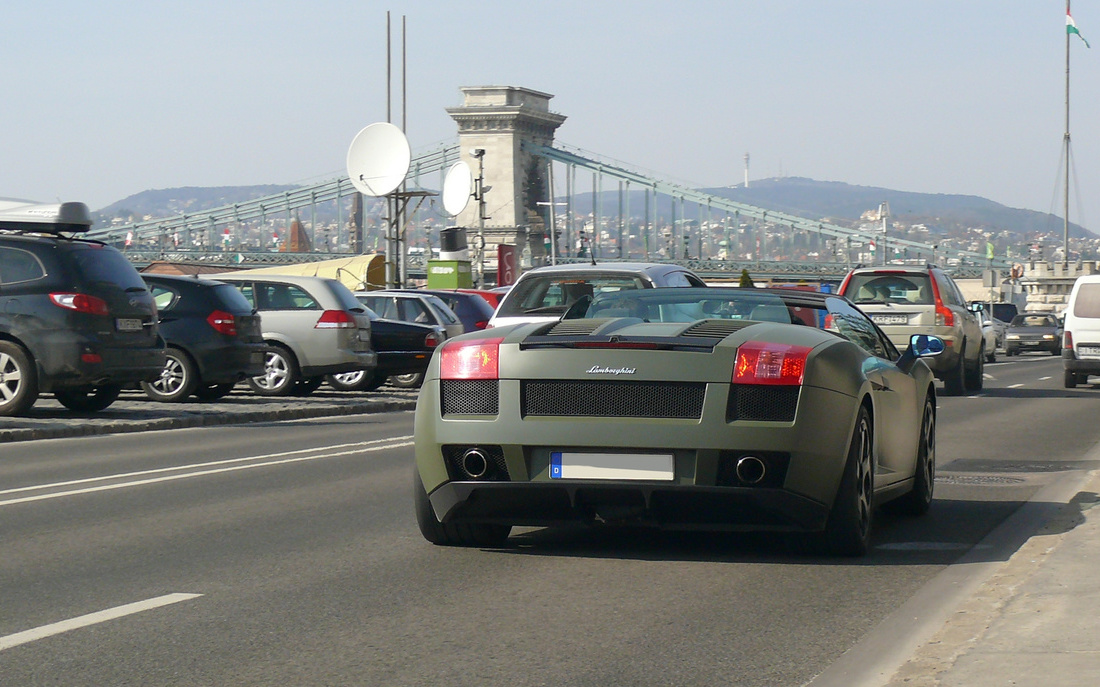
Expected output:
(925, 345)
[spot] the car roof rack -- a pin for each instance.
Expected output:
(32, 218)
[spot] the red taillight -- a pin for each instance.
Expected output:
(770, 363)
(222, 322)
(431, 340)
(481, 324)
(472, 359)
(1067, 340)
(944, 316)
(336, 319)
(81, 302)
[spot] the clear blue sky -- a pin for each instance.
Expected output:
(106, 99)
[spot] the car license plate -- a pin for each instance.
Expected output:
(128, 324)
(890, 319)
(1088, 350)
(619, 466)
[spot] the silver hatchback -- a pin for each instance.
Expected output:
(313, 327)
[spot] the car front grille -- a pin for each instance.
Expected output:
(762, 402)
(613, 399)
(469, 396)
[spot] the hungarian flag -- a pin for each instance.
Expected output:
(1071, 27)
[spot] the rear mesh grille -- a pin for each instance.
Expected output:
(613, 399)
(762, 402)
(469, 396)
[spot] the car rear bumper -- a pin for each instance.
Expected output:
(230, 363)
(353, 361)
(85, 362)
(1071, 362)
(662, 506)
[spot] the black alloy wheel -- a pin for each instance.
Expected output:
(360, 380)
(88, 399)
(848, 530)
(413, 380)
(918, 501)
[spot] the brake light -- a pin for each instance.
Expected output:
(944, 316)
(472, 359)
(336, 319)
(481, 324)
(431, 340)
(222, 322)
(1067, 340)
(770, 363)
(80, 302)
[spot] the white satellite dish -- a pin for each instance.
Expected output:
(379, 159)
(456, 187)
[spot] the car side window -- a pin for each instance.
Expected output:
(18, 265)
(413, 310)
(163, 296)
(948, 293)
(248, 293)
(854, 326)
(284, 297)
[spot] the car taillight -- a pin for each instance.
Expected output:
(431, 340)
(81, 302)
(770, 363)
(473, 359)
(944, 316)
(481, 324)
(1067, 340)
(336, 319)
(222, 322)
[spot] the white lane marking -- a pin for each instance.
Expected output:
(199, 473)
(230, 461)
(92, 619)
(1014, 386)
(1043, 379)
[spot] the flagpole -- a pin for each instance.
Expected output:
(1065, 152)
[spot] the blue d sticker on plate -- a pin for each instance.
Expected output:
(555, 465)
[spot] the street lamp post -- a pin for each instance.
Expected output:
(479, 196)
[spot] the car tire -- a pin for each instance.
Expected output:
(919, 499)
(991, 355)
(465, 534)
(1010, 352)
(213, 392)
(848, 529)
(18, 380)
(360, 380)
(280, 376)
(955, 380)
(413, 380)
(177, 380)
(307, 385)
(88, 399)
(1070, 379)
(975, 375)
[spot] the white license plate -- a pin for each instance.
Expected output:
(620, 466)
(1088, 350)
(890, 319)
(128, 325)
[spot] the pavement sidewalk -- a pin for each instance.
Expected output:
(1035, 622)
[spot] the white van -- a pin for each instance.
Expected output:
(1081, 338)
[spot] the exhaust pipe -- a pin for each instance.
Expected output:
(475, 463)
(751, 470)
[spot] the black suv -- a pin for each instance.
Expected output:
(75, 316)
(213, 335)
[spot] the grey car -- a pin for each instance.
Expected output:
(905, 300)
(313, 326)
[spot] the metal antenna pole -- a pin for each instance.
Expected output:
(1065, 145)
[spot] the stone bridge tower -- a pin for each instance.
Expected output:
(498, 119)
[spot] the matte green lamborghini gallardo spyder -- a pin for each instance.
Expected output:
(689, 408)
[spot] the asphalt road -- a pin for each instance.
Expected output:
(298, 541)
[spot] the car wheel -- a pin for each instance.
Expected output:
(409, 381)
(1071, 379)
(991, 355)
(305, 387)
(18, 380)
(360, 380)
(848, 530)
(177, 380)
(917, 501)
(467, 534)
(975, 375)
(1010, 352)
(88, 399)
(213, 392)
(955, 380)
(280, 373)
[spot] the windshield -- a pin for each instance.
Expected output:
(914, 289)
(712, 303)
(1034, 321)
(553, 294)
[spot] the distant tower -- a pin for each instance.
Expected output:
(746, 170)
